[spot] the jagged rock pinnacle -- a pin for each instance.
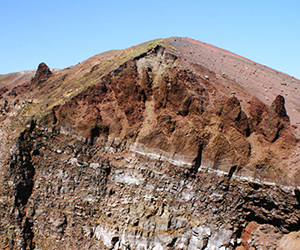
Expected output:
(278, 107)
(42, 74)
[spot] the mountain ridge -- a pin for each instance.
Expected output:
(170, 144)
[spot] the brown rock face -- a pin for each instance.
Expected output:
(152, 147)
(268, 121)
(272, 121)
(270, 126)
(235, 116)
(42, 74)
(278, 107)
(256, 109)
(290, 242)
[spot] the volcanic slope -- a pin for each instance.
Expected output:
(170, 144)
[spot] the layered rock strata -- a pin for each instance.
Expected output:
(154, 153)
(102, 197)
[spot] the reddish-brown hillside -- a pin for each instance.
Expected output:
(176, 108)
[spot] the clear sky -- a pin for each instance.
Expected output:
(62, 33)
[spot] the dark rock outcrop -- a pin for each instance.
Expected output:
(268, 120)
(278, 108)
(42, 74)
(235, 116)
(256, 109)
(273, 120)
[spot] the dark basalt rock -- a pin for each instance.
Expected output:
(278, 108)
(42, 74)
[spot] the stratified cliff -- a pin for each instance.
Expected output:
(171, 144)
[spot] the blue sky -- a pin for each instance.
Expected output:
(63, 33)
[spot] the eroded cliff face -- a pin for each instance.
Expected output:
(151, 155)
(67, 194)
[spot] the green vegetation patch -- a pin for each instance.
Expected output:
(70, 88)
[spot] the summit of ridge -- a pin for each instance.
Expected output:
(172, 143)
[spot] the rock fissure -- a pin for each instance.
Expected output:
(23, 171)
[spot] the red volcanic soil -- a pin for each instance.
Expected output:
(17, 78)
(258, 80)
(169, 97)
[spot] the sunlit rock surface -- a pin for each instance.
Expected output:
(171, 144)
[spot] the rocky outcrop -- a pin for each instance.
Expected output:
(108, 198)
(235, 116)
(155, 153)
(42, 74)
(268, 121)
(256, 109)
(273, 120)
(18, 181)
(278, 108)
(154, 114)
